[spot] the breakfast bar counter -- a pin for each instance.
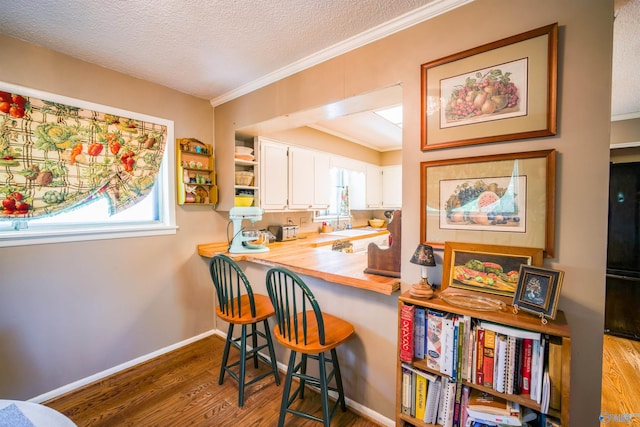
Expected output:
(308, 255)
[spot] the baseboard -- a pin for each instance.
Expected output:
(355, 406)
(100, 375)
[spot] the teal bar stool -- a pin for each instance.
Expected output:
(303, 328)
(238, 305)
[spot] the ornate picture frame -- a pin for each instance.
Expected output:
(500, 91)
(538, 291)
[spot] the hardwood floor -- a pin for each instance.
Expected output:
(181, 388)
(620, 380)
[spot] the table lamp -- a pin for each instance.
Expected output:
(423, 256)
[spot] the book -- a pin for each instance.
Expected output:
(514, 419)
(406, 391)
(412, 409)
(500, 379)
(434, 342)
(488, 357)
(420, 396)
(406, 333)
(433, 398)
(445, 408)
(419, 333)
(527, 356)
(446, 360)
(511, 364)
(555, 374)
(466, 336)
(464, 405)
(488, 403)
(538, 372)
(508, 330)
(457, 341)
(519, 359)
(479, 379)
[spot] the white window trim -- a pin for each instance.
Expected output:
(166, 180)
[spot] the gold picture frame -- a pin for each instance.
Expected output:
(504, 199)
(486, 269)
(500, 91)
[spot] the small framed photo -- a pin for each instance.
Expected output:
(538, 291)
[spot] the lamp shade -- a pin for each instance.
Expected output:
(423, 255)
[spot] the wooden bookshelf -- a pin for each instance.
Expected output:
(557, 329)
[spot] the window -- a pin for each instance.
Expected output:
(346, 188)
(73, 170)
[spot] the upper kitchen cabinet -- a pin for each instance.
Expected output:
(392, 187)
(373, 187)
(293, 178)
(309, 179)
(196, 177)
(383, 187)
(274, 175)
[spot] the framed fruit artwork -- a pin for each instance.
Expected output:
(505, 199)
(499, 91)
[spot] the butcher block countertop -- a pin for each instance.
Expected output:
(306, 256)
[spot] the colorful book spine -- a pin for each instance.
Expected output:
(479, 356)
(488, 357)
(419, 333)
(434, 341)
(421, 396)
(406, 391)
(527, 358)
(446, 359)
(406, 333)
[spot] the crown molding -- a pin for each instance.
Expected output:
(386, 29)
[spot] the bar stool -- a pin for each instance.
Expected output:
(238, 305)
(303, 328)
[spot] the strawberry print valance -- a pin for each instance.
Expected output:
(55, 157)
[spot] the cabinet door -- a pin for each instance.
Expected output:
(302, 178)
(392, 186)
(374, 187)
(273, 175)
(322, 182)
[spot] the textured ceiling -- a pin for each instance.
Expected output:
(205, 48)
(219, 49)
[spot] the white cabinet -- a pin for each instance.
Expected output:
(308, 179)
(373, 187)
(321, 189)
(293, 177)
(391, 186)
(274, 175)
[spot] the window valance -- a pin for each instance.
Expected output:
(55, 157)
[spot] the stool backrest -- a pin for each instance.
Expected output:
(230, 283)
(294, 304)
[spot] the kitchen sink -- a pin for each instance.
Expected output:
(354, 232)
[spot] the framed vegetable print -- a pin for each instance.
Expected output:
(488, 269)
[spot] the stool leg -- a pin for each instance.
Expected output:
(225, 354)
(272, 353)
(254, 342)
(242, 366)
(324, 396)
(303, 370)
(287, 388)
(336, 370)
